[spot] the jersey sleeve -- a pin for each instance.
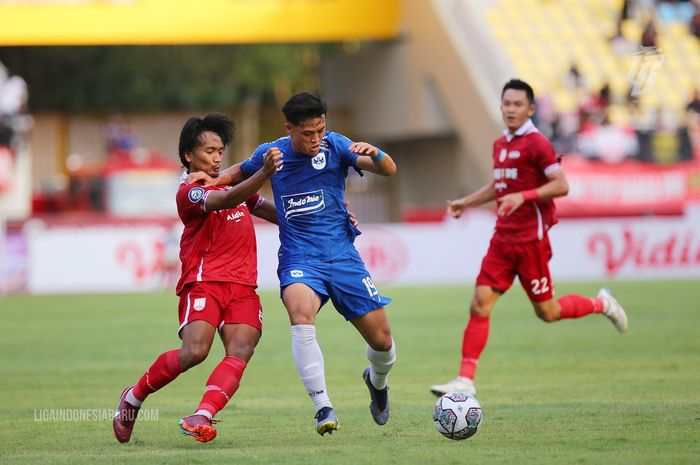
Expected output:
(342, 146)
(190, 201)
(254, 202)
(546, 157)
(254, 162)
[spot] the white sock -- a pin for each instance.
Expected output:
(131, 398)
(309, 361)
(206, 413)
(380, 364)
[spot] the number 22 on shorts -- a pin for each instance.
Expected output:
(539, 286)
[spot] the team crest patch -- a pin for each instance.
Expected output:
(200, 303)
(195, 194)
(319, 161)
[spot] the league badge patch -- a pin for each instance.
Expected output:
(195, 194)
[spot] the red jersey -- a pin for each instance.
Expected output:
(218, 245)
(522, 161)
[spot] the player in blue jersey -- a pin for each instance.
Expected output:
(317, 258)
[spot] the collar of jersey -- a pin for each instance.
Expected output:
(526, 128)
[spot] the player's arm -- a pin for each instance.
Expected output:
(486, 193)
(372, 159)
(556, 186)
(218, 200)
(228, 177)
(266, 211)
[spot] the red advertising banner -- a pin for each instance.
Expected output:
(630, 188)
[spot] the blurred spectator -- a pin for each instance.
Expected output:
(649, 35)
(119, 135)
(574, 79)
(695, 20)
(625, 12)
(619, 43)
(6, 132)
(13, 96)
(693, 124)
(610, 143)
(694, 104)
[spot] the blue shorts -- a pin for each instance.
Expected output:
(345, 281)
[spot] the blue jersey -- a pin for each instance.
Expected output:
(309, 193)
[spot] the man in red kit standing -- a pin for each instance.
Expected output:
(527, 176)
(218, 281)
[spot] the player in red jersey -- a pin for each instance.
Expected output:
(527, 176)
(218, 280)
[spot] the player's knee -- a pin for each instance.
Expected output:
(546, 316)
(477, 308)
(193, 354)
(243, 350)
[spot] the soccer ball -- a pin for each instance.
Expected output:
(457, 415)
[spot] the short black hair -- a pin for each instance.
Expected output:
(194, 127)
(303, 106)
(517, 84)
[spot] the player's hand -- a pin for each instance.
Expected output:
(200, 176)
(272, 161)
(509, 203)
(455, 208)
(353, 219)
(363, 148)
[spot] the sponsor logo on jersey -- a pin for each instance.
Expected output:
(235, 216)
(296, 273)
(502, 155)
(514, 154)
(319, 161)
(304, 203)
(505, 173)
(200, 303)
(195, 194)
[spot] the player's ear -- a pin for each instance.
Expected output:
(288, 128)
(531, 109)
(188, 157)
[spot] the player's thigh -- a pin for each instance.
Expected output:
(498, 268)
(200, 301)
(533, 270)
(374, 328)
(243, 307)
(352, 289)
(240, 339)
(483, 301)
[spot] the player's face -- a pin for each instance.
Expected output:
(307, 136)
(516, 108)
(207, 155)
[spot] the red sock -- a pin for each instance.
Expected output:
(576, 306)
(165, 369)
(222, 384)
(475, 336)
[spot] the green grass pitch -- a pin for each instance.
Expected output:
(573, 392)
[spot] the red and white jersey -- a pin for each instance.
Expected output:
(218, 245)
(522, 161)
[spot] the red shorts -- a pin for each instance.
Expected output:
(219, 304)
(527, 260)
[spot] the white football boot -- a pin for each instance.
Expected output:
(615, 313)
(460, 383)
